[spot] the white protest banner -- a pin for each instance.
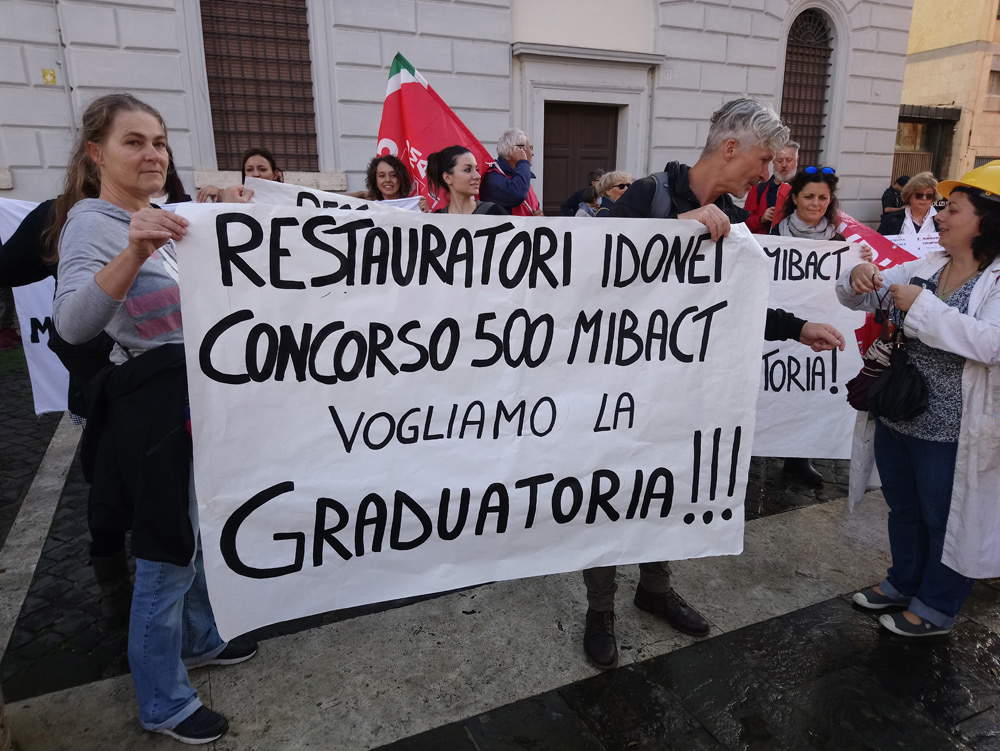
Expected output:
(33, 302)
(286, 194)
(49, 378)
(802, 410)
(917, 245)
(389, 405)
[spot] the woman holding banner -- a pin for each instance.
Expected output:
(917, 216)
(118, 274)
(387, 179)
(454, 169)
(811, 210)
(256, 162)
(941, 469)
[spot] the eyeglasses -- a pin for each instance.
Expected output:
(924, 196)
(821, 170)
(621, 186)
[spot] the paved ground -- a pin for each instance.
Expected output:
(824, 677)
(61, 640)
(790, 663)
(23, 436)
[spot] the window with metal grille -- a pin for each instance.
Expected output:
(806, 83)
(260, 80)
(981, 160)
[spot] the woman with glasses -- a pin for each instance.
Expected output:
(811, 210)
(613, 184)
(940, 470)
(917, 216)
(610, 187)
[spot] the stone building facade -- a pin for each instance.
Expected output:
(643, 76)
(951, 87)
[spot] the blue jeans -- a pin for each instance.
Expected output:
(171, 621)
(917, 477)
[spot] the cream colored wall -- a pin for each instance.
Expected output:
(948, 82)
(943, 23)
(959, 79)
(628, 25)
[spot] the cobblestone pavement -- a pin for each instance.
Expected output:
(23, 436)
(61, 640)
(823, 678)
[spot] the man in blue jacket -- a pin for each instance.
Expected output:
(507, 181)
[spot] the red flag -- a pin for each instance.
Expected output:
(886, 254)
(417, 122)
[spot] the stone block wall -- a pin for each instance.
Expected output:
(93, 48)
(717, 50)
(462, 48)
(713, 50)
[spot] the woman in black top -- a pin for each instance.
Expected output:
(454, 169)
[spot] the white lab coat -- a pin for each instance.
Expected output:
(972, 538)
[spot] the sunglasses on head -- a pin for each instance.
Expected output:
(924, 196)
(821, 170)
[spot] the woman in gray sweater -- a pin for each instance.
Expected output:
(118, 274)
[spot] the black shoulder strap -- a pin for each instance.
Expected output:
(662, 205)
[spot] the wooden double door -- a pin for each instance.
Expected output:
(578, 138)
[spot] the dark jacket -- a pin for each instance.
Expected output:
(137, 453)
(571, 204)
(21, 263)
(21, 256)
(892, 199)
(638, 200)
(892, 223)
(509, 189)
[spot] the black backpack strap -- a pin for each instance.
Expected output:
(662, 204)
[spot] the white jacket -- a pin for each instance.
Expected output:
(972, 539)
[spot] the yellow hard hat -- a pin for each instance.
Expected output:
(985, 178)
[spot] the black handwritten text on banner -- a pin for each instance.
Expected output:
(392, 404)
(802, 409)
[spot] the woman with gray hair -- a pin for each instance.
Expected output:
(507, 181)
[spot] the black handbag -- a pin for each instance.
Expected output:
(900, 391)
(889, 385)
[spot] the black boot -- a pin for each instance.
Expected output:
(803, 471)
(112, 576)
(672, 607)
(599, 643)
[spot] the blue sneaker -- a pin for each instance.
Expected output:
(869, 599)
(897, 624)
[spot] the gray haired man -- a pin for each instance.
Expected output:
(742, 140)
(507, 181)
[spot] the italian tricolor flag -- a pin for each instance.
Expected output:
(416, 122)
